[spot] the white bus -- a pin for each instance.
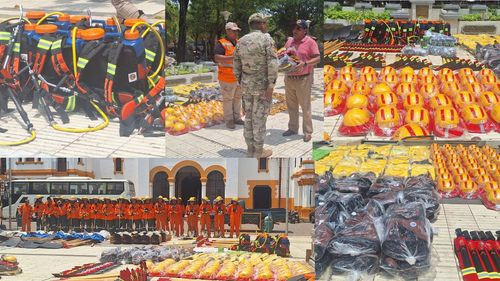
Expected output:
(65, 186)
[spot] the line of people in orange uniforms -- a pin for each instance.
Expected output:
(136, 214)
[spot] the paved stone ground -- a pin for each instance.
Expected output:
(49, 142)
(468, 216)
(218, 141)
(332, 124)
(39, 264)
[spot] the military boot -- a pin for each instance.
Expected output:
(250, 151)
(262, 153)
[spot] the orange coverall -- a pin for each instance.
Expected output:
(235, 211)
(192, 219)
(167, 217)
(137, 215)
(205, 210)
(220, 211)
(178, 216)
(26, 212)
(148, 214)
(159, 216)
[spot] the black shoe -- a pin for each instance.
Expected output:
(239, 122)
(307, 137)
(288, 133)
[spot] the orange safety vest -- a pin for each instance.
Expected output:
(226, 70)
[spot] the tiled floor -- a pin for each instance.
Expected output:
(218, 141)
(473, 216)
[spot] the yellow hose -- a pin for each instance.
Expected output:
(117, 22)
(103, 115)
(23, 141)
(89, 129)
(158, 36)
(14, 18)
(49, 15)
(153, 25)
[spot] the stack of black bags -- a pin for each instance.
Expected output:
(366, 224)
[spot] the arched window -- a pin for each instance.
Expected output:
(215, 185)
(161, 185)
(118, 165)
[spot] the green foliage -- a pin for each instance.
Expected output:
(172, 16)
(494, 17)
(355, 16)
(471, 17)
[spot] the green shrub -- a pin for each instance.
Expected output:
(355, 16)
(471, 17)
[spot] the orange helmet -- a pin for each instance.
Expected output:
(348, 77)
(485, 72)
(387, 116)
(428, 79)
(446, 77)
(408, 78)
(336, 99)
(445, 185)
(356, 117)
(468, 186)
(417, 115)
(413, 99)
(348, 69)
(446, 117)
(410, 130)
(440, 100)
(488, 99)
(489, 79)
(381, 88)
(444, 71)
(429, 90)
(329, 73)
(450, 88)
(367, 70)
(425, 71)
(406, 70)
(446, 175)
(386, 99)
(369, 77)
(467, 79)
(474, 114)
(338, 86)
(391, 79)
(405, 88)
(357, 101)
(495, 113)
(386, 70)
(361, 88)
(462, 72)
(464, 98)
(474, 87)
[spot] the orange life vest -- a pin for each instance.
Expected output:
(226, 70)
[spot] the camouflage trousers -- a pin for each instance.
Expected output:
(256, 111)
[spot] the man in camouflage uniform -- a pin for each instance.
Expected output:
(255, 65)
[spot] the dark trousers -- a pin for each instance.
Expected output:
(39, 225)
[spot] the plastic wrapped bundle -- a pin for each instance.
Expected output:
(421, 182)
(337, 207)
(384, 184)
(323, 234)
(428, 197)
(407, 240)
(324, 183)
(359, 236)
(414, 51)
(356, 267)
(355, 183)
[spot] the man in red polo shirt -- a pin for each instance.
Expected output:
(298, 84)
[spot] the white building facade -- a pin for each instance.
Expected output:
(261, 183)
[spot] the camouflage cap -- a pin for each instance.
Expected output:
(257, 17)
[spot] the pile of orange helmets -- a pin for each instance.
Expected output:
(469, 172)
(408, 102)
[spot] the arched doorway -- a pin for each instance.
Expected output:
(262, 197)
(160, 185)
(188, 184)
(215, 185)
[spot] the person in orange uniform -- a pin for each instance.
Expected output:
(235, 212)
(85, 215)
(112, 218)
(49, 214)
(149, 214)
(171, 214)
(166, 216)
(137, 208)
(100, 207)
(159, 210)
(26, 212)
(204, 213)
(231, 94)
(192, 211)
(65, 215)
(39, 210)
(127, 215)
(219, 211)
(93, 214)
(178, 216)
(73, 213)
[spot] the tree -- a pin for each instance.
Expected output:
(172, 14)
(181, 46)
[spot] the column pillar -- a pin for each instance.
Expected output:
(203, 187)
(171, 187)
